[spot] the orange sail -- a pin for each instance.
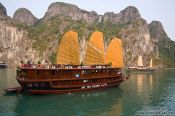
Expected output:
(95, 49)
(140, 62)
(151, 63)
(69, 49)
(114, 53)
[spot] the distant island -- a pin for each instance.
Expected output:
(24, 37)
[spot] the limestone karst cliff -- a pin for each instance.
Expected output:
(23, 39)
(2, 10)
(23, 15)
(162, 44)
(14, 44)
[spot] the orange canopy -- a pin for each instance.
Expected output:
(69, 49)
(95, 49)
(114, 53)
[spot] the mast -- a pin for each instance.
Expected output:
(140, 63)
(151, 63)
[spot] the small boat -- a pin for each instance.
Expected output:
(140, 67)
(3, 65)
(69, 75)
(13, 90)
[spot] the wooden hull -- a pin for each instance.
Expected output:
(70, 90)
(141, 70)
(53, 87)
(58, 85)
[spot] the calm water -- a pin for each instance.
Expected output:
(141, 91)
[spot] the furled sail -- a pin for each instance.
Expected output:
(151, 63)
(140, 63)
(69, 49)
(95, 49)
(114, 53)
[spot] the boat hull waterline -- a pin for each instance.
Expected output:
(141, 70)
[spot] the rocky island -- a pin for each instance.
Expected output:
(24, 37)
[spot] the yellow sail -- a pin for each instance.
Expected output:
(114, 53)
(140, 63)
(95, 49)
(69, 49)
(151, 63)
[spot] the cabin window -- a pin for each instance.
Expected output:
(77, 75)
(24, 73)
(38, 72)
(82, 72)
(86, 72)
(42, 84)
(94, 80)
(85, 81)
(52, 72)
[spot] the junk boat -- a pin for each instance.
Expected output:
(98, 70)
(140, 67)
(3, 65)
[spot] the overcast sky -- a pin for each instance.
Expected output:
(160, 10)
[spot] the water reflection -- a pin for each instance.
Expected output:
(116, 109)
(95, 103)
(140, 84)
(11, 78)
(3, 79)
(151, 81)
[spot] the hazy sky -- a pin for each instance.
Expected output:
(161, 10)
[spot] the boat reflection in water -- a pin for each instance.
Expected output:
(3, 65)
(95, 103)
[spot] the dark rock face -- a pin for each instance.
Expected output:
(157, 32)
(127, 15)
(163, 44)
(130, 14)
(3, 12)
(24, 16)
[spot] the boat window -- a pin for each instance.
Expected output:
(87, 72)
(38, 72)
(94, 80)
(52, 72)
(82, 72)
(77, 75)
(85, 81)
(24, 73)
